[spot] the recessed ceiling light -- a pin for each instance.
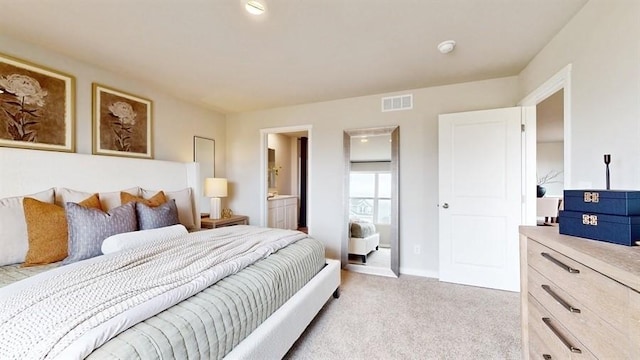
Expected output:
(446, 47)
(255, 7)
(364, 140)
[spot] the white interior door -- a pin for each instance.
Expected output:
(480, 197)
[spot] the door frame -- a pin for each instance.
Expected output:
(561, 80)
(264, 163)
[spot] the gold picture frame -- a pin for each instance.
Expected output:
(37, 106)
(122, 123)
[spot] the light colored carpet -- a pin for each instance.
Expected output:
(412, 318)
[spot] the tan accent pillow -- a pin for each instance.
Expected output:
(154, 201)
(111, 200)
(47, 230)
(92, 202)
(184, 202)
(14, 239)
(108, 200)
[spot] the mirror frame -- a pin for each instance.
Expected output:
(394, 131)
(202, 200)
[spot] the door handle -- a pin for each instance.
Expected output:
(445, 206)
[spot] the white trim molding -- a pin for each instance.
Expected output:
(561, 80)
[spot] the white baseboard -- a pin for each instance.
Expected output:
(419, 272)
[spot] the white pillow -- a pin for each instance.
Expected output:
(108, 200)
(64, 195)
(184, 203)
(111, 200)
(14, 240)
(133, 239)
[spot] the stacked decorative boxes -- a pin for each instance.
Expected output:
(606, 215)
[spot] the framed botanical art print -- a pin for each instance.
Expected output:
(122, 123)
(37, 109)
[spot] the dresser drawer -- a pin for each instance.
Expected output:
(539, 350)
(634, 322)
(588, 327)
(598, 293)
(555, 339)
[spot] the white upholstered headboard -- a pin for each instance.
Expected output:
(28, 171)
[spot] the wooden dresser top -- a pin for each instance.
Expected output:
(619, 262)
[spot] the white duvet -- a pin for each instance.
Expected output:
(68, 312)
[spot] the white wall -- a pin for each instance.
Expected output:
(550, 160)
(175, 121)
(603, 43)
(418, 159)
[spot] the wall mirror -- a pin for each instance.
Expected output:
(271, 170)
(371, 201)
(204, 153)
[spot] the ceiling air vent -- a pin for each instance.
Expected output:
(395, 103)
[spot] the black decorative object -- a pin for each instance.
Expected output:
(540, 191)
(607, 160)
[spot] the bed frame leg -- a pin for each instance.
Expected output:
(336, 293)
(364, 259)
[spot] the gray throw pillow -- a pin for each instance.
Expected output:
(157, 217)
(89, 227)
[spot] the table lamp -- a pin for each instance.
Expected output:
(215, 188)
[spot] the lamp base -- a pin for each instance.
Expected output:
(216, 209)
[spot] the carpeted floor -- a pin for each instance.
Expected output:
(412, 318)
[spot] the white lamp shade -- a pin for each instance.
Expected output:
(215, 187)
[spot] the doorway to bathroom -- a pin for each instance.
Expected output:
(285, 155)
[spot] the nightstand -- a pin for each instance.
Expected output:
(206, 223)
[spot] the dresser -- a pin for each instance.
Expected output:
(580, 298)
(283, 212)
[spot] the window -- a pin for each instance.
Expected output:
(370, 196)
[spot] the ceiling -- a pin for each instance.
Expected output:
(213, 53)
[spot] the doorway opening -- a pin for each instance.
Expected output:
(554, 97)
(549, 158)
(285, 163)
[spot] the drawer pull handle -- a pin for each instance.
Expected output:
(546, 356)
(560, 263)
(571, 348)
(560, 300)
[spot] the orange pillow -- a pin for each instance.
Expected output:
(156, 200)
(47, 230)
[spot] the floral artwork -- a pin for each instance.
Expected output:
(29, 99)
(122, 126)
(36, 109)
(122, 123)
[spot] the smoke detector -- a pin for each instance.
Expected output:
(446, 47)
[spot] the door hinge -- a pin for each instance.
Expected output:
(522, 127)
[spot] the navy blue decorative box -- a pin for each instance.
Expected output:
(624, 230)
(612, 202)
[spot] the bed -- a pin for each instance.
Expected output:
(363, 239)
(256, 321)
